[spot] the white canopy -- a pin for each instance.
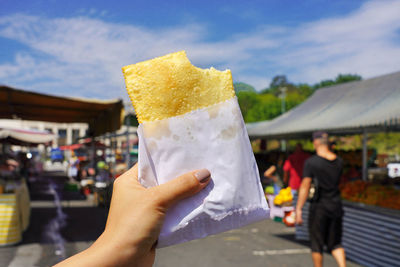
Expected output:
(26, 136)
(353, 107)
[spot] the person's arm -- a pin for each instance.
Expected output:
(135, 219)
(303, 194)
(270, 171)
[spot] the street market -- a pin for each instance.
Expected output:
(370, 191)
(211, 133)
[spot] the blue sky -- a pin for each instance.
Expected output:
(77, 48)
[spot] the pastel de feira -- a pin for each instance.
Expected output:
(190, 119)
(170, 85)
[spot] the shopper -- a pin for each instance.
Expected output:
(293, 167)
(325, 218)
(135, 219)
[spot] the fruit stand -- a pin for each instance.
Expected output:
(281, 206)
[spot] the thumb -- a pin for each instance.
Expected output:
(181, 187)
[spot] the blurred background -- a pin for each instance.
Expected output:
(68, 129)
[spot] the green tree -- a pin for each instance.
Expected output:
(341, 78)
(132, 120)
(240, 87)
(247, 100)
(293, 99)
(267, 107)
(344, 78)
(305, 89)
(278, 81)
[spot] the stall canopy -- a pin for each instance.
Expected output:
(350, 108)
(25, 137)
(102, 116)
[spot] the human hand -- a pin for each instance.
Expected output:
(299, 218)
(135, 219)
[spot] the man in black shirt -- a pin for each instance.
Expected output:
(325, 220)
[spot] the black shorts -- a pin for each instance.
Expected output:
(324, 230)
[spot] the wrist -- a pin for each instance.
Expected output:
(105, 251)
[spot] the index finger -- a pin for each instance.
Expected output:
(132, 173)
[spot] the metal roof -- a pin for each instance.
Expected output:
(102, 116)
(372, 104)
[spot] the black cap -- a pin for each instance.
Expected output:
(319, 135)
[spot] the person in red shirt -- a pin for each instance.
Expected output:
(293, 167)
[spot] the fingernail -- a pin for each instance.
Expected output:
(203, 175)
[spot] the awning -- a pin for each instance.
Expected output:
(25, 137)
(372, 105)
(102, 116)
(86, 142)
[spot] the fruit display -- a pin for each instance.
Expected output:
(284, 197)
(269, 190)
(371, 194)
(290, 218)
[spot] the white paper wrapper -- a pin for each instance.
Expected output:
(214, 138)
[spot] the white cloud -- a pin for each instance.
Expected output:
(86, 55)
(363, 42)
(83, 56)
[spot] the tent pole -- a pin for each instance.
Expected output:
(364, 156)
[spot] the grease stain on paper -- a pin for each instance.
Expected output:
(152, 145)
(229, 133)
(157, 130)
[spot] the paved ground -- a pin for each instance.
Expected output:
(266, 243)
(57, 233)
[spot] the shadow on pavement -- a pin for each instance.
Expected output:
(72, 224)
(82, 224)
(292, 237)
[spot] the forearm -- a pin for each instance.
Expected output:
(102, 253)
(303, 193)
(86, 258)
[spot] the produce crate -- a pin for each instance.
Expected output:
(371, 235)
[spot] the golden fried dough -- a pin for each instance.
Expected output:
(170, 85)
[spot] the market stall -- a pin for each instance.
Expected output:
(372, 218)
(102, 116)
(14, 193)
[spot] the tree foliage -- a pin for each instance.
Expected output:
(267, 104)
(243, 87)
(341, 78)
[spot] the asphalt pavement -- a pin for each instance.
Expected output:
(59, 231)
(266, 243)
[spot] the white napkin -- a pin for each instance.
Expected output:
(214, 138)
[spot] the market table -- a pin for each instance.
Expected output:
(277, 213)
